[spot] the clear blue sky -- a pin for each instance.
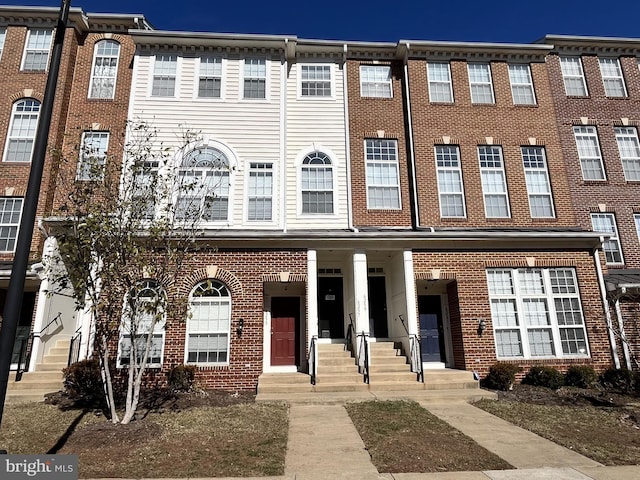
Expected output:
(518, 21)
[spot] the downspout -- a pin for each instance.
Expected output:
(347, 139)
(623, 337)
(605, 303)
(283, 137)
(413, 187)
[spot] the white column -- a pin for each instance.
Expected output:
(312, 294)
(50, 246)
(360, 290)
(410, 292)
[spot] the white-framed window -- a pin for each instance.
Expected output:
(494, 182)
(480, 83)
(254, 78)
(106, 54)
(260, 192)
(204, 186)
(440, 87)
(317, 183)
(93, 155)
(629, 147)
(521, 84)
(210, 77)
(10, 214)
(383, 177)
(165, 70)
(612, 77)
(589, 153)
(208, 324)
(22, 130)
(573, 77)
(606, 222)
(36, 50)
(3, 36)
(145, 188)
(536, 313)
(536, 175)
(315, 80)
(143, 306)
(450, 187)
(375, 81)
(636, 219)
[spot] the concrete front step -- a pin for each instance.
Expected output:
(51, 367)
(384, 377)
(59, 351)
(28, 384)
(23, 396)
(339, 379)
(60, 359)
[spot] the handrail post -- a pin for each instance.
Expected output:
(313, 359)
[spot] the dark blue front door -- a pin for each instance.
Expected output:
(430, 316)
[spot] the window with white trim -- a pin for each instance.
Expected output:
(383, 178)
(536, 313)
(440, 88)
(450, 187)
(145, 305)
(3, 35)
(203, 186)
(255, 78)
(629, 147)
(165, 70)
(210, 77)
(260, 192)
(636, 219)
(375, 81)
(612, 77)
(105, 69)
(589, 153)
(22, 131)
(575, 84)
(10, 213)
(317, 183)
(145, 188)
(208, 324)
(536, 174)
(480, 83)
(93, 155)
(606, 222)
(36, 50)
(521, 85)
(315, 80)
(494, 182)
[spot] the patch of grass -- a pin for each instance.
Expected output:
(404, 437)
(607, 435)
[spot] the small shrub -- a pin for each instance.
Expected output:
(182, 378)
(621, 380)
(83, 383)
(582, 376)
(501, 376)
(543, 376)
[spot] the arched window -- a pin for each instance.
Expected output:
(208, 324)
(317, 183)
(22, 130)
(105, 69)
(203, 186)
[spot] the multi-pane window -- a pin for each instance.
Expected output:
(208, 324)
(589, 153)
(450, 188)
(629, 148)
(145, 185)
(105, 69)
(315, 80)
(203, 186)
(440, 89)
(210, 77)
(144, 316)
(612, 77)
(255, 78)
(536, 313)
(317, 183)
(164, 76)
(10, 211)
(3, 34)
(22, 131)
(536, 175)
(494, 182)
(521, 85)
(480, 83)
(260, 191)
(573, 76)
(636, 218)
(93, 155)
(606, 222)
(383, 179)
(36, 52)
(375, 81)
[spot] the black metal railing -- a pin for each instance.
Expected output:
(74, 347)
(26, 346)
(363, 355)
(313, 359)
(350, 337)
(415, 352)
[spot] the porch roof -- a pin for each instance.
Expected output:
(622, 281)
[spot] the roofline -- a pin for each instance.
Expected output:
(181, 38)
(476, 47)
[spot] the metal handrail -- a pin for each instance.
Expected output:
(350, 337)
(415, 352)
(52, 321)
(74, 347)
(363, 356)
(313, 359)
(26, 344)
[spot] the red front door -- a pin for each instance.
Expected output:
(285, 314)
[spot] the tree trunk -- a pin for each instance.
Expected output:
(106, 379)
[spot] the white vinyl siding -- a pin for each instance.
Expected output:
(440, 88)
(589, 153)
(22, 131)
(36, 51)
(105, 69)
(494, 182)
(606, 222)
(521, 85)
(629, 147)
(10, 214)
(536, 175)
(315, 81)
(383, 178)
(375, 81)
(210, 77)
(612, 77)
(93, 155)
(480, 83)
(164, 76)
(573, 76)
(450, 187)
(260, 192)
(255, 78)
